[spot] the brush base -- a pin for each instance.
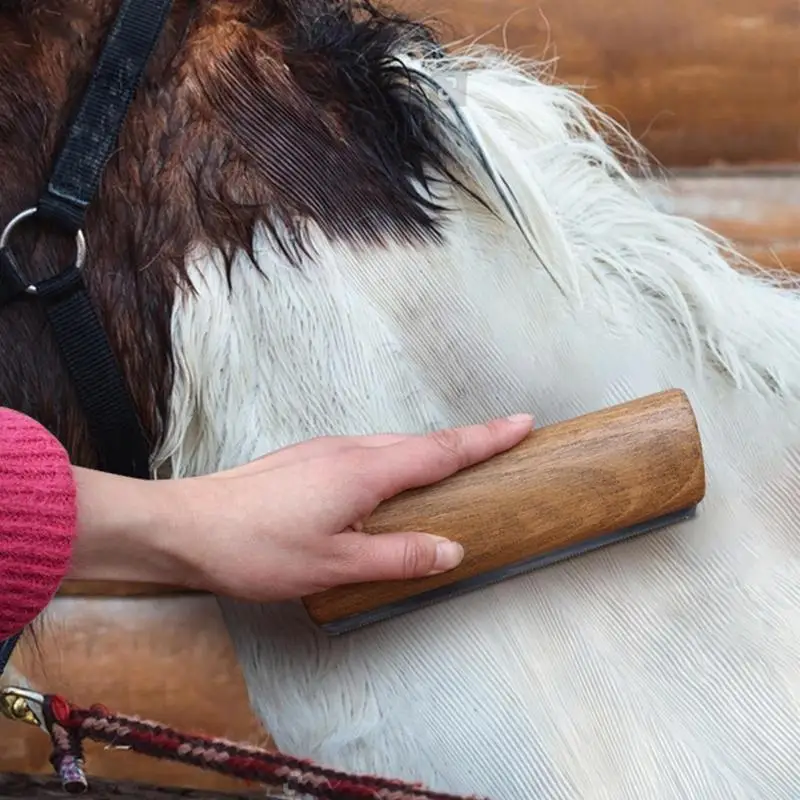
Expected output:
(472, 584)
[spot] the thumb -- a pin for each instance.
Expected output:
(395, 556)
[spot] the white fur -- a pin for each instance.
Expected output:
(666, 667)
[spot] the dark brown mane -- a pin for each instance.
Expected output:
(267, 112)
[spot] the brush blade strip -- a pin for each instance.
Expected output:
(453, 590)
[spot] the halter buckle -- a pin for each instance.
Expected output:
(80, 245)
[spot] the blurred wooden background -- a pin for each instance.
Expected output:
(698, 82)
(711, 87)
(157, 655)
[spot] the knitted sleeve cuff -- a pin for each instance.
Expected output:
(38, 519)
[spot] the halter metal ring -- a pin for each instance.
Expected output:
(80, 242)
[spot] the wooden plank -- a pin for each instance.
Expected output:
(696, 81)
(168, 659)
(759, 210)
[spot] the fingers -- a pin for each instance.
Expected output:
(426, 459)
(311, 448)
(392, 556)
(422, 460)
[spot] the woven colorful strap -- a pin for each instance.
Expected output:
(69, 726)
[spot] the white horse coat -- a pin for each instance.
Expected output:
(664, 667)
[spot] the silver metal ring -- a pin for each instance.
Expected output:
(80, 241)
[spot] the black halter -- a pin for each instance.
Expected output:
(102, 392)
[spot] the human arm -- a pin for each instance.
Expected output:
(279, 527)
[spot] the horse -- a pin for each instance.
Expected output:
(320, 220)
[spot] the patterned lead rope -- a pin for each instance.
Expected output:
(68, 726)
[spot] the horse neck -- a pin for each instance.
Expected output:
(410, 335)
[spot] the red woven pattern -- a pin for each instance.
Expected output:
(219, 755)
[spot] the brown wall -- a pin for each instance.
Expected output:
(167, 659)
(696, 81)
(759, 210)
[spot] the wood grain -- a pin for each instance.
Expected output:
(118, 589)
(758, 209)
(696, 81)
(563, 485)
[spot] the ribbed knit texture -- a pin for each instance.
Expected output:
(38, 519)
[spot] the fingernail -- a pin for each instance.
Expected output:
(448, 555)
(518, 419)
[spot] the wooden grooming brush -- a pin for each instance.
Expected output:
(566, 489)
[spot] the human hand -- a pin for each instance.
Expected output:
(285, 525)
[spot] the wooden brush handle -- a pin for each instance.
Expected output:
(562, 485)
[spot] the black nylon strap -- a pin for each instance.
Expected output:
(95, 128)
(102, 392)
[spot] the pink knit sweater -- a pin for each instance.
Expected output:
(38, 518)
